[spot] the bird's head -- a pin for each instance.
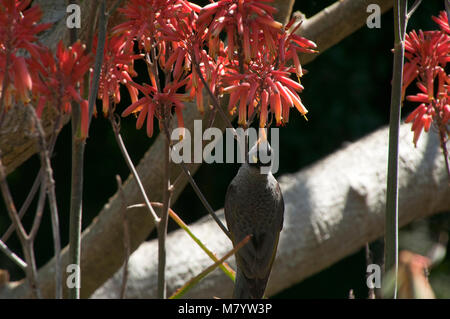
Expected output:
(260, 156)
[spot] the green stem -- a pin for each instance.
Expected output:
(191, 283)
(391, 220)
(76, 199)
(225, 267)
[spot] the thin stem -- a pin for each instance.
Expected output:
(126, 238)
(391, 221)
(203, 199)
(21, 233)
(25, 205)
(162, 227)
(48, 185)
(39, 208)
(369, 261)
(225, 267)
(16, 259)
(32, 268)
(126, 156)
(191, 283)
(76, 199)
(413, 8)
(199, 193)
(76, 196)
(37, 181)
(103, 21)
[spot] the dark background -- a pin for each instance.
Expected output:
(347, 93)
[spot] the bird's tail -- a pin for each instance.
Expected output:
(249, 288)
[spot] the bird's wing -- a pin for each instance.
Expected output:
(265, 244)
(256, 257)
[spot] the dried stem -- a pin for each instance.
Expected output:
(162, 227)
(27, 245)
(414, 7)
(204, 200)
(116, 128)
(16, 259)
(48, 185)
(39, 208)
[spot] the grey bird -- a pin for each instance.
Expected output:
(254, 206)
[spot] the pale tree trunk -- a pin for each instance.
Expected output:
(333, 209)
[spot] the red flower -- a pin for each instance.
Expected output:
(57, 79)
(157, 104)
(166, 31)
(117, 68)
(254, 68)
(146, 18)
(428, 53)
(442, 21)
(18, 30)
(425, 51)
(266, 80)
(241, 20)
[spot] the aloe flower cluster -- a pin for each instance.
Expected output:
(186, 55)
(38, 77)
(428, 53)
(18, 31)
(58, 77)
(184, 51)
(117, 68)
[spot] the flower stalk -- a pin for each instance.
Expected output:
(391, 219)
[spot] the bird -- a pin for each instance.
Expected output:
(254, 206)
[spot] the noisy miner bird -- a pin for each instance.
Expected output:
(254, 206)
